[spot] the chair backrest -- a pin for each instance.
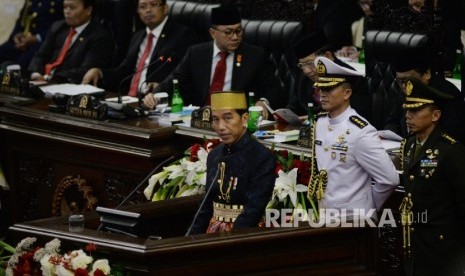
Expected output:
(118, 17)
(381, 48)
(194, 15)
(278, 38)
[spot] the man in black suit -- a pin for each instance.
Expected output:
(245, 67)
(73, 45)
(433, 209)
(307, 49)
(170, 40)
(30, 30)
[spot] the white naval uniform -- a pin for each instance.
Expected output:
(352, 155)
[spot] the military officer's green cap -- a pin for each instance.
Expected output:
(419, 94)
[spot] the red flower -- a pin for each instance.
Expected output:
(303, 171)
(98, 272)
(193, 152)
(284, 154)
(91, 247)
(211, 144)
(278, 168)
(81, 272)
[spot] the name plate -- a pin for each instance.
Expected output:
(87, 106)
(202, 118)
(13, 84)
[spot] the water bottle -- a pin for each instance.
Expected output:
(176, 101)
(251, 100)
(311, 114)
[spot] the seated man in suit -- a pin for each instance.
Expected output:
(148, 51)
(73, 46)
(224, 64)
(307, 49)
(30, 30)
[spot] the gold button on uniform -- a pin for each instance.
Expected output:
(412, 229)
(411, 177)
(441, 237)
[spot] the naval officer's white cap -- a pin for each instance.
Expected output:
(331, 74)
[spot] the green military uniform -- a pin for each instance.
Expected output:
(434, 206)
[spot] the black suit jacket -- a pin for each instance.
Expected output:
(173, 42)
(436, 180)
(253, 165)
(93, 48)
(254, 72)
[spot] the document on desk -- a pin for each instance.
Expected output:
(70, 89)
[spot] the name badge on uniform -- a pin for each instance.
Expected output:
(318, 142)
(428, 163)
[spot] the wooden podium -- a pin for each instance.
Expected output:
(44, 153)
(302, 250)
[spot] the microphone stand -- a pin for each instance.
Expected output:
(120, 100)
(139, 92)
(172, 157)
(203, 202)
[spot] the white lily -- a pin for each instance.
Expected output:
(159, 177)
(286, 185)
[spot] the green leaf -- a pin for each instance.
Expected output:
(182, 190)
(175, 181)
(7, 247)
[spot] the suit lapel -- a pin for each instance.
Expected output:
(160, 41)
(237, 72)
(205, 71)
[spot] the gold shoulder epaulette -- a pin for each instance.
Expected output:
(321, 114)
(449, 139)
(358, 121)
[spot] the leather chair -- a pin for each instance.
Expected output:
(118, 17)
(195, 15)
(278, 38)
(381, 48)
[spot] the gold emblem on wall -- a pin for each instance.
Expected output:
(73, 196)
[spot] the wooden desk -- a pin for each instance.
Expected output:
(278, 251)
(43, 150)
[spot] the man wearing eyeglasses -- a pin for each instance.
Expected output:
(307, 49)
(416, 63)
(148, 51)
(224, 64)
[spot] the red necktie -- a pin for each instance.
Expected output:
(218, 77)
(140, 67)
(49, 67)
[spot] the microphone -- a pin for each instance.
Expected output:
(139, 91)
(160, 59)
(125, 199)
(203, 201)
